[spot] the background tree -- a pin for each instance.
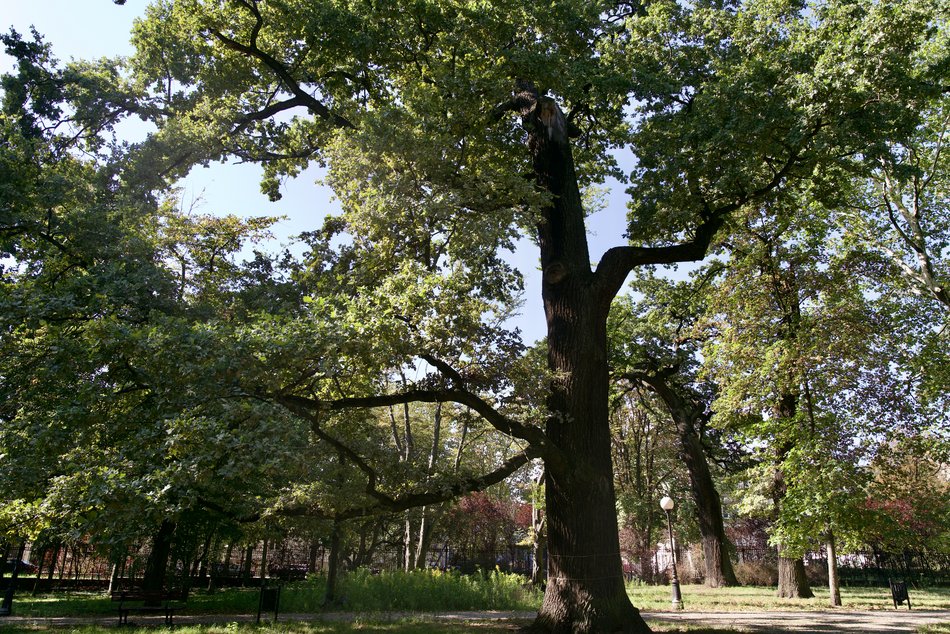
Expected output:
(116, 423)
(655, 343)
(806, 371)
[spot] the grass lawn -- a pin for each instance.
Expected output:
(753, 598)
(414, 626)
(419, 592)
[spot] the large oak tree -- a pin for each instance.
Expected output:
(450, 127)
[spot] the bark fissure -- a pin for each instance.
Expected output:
(585, 590)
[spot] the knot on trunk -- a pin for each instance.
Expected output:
(555, 273)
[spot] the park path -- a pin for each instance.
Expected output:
(811, 622)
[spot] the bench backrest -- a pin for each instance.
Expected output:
(141, 595)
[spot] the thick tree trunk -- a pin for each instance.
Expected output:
(333, 564)
(792, 581)
(585, 590)
(6, 605)
(718, 566)
(157, 564)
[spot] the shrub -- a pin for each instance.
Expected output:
(757, 573)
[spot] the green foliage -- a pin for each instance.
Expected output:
(425, 590)
(749, 92)
(810, 377)
(162, 379)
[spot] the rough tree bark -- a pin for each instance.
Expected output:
(718, 566)
(687, 415)
(329, 596)
(792, 581)
(585, 590)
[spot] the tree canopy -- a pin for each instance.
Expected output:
(448, 129)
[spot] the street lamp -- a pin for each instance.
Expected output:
(667, 505)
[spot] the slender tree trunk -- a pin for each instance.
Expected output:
(537, 555)
(114, 578)
(210, 547)
(263, 561)
(38, 559)
(62, 567)
(52, 563)
(248, 562)
(408, 560)
(686, 415)
(427, 516)
(537, 538)
(312, 556)
(585, 590)
(834, 589)
(431, 518)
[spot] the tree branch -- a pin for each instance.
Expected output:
(532, 435)
(252, 50)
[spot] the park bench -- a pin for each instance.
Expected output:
(143, 602)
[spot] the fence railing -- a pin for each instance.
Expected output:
(78, 564)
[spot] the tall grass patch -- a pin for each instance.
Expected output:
(416, 591)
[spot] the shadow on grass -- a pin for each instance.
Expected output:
(406, 627)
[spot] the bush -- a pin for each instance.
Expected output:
(817, 572)
(757, 573)
(419, 590)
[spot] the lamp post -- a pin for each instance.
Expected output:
(667, 505)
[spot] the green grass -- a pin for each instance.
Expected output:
(420, 591)
(942, 628)
(409, 626)
(367, 594)
(753, 598)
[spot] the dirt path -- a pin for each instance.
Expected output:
(837, 621)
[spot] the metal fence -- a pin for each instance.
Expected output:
(77, 565)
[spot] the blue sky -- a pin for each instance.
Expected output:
(82, 29)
